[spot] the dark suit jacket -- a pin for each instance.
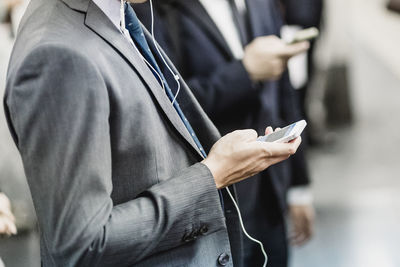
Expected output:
(223, 88)
(113, 172)
(306, 13)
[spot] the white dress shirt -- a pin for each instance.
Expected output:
(111, 8)
(221, 13)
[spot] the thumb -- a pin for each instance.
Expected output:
(268, 130)
(291, 50)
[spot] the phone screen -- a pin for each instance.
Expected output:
(278, 134)
(305, 35)
(286, 134)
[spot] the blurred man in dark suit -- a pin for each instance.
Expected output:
(306, 14)
(230, 55)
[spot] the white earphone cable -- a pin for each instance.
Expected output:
(151, 67)
(244, 229)
(123, 29)
(122, 14)
(176, 76)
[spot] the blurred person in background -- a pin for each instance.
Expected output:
(6, 7)
(231, 56)
(306, 14)
(7, 220)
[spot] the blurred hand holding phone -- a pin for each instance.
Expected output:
(304, 35)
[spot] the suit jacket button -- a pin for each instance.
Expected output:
(203, 230)
(194, 235)
(187, 238)
(223, 259)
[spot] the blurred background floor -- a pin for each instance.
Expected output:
(356, 179)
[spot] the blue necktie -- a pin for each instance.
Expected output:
(136, 32)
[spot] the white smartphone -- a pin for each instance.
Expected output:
(304, 35)
(286, 134)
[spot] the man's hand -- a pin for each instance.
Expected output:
(302, 217)
(238, 155)
(7, 220)
(265, 58)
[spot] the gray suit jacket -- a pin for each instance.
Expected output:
(113, 172)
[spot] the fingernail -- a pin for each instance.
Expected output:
(13, 229)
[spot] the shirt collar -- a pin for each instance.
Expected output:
(111, 8)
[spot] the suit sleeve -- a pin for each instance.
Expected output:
(306, 13)
(59, 110)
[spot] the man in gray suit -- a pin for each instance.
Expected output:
(117, 174)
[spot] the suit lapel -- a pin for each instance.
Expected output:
(198, 13)
(206, 130)
(97, 21)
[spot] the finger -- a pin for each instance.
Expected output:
(268, 130)
(294, 140)
(280, 149)
(295, 238)
(295, 143)
(291, 50)
(12, 228)
(4, 202)
(9, 227)
(2, 226)
(305, 230)
(7, 213)
(299, 240)
(245, 135)
(308, 229)
(249, 134)
(277, 129)
(11, 216)
(275, 150)
(300, 232)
